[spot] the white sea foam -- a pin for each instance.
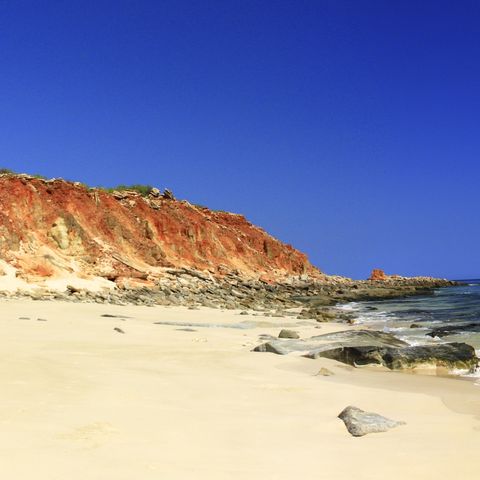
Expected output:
(349, 306)
(466, 374)
(411, 342)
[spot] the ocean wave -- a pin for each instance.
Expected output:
(349, 306)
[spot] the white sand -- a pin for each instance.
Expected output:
(81, 401)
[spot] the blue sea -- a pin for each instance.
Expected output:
(459, 306)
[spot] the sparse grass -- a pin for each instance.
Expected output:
(143, 190)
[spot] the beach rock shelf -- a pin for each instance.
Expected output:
(313, 346)
(369, 347)
(451, 356)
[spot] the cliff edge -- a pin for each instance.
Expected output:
(54, 232)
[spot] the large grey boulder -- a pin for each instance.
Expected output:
(360, 423)
(450, 355)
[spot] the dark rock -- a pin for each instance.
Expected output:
(450, 356)
(360, 423)
(41, 319)
(353, 355)
(168, 195)
(454, 329)
(288, 334)
(415, 325)
(119, 330)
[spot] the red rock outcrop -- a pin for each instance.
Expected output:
(377, 275)
(52, 227)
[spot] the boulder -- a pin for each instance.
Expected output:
(168, 195)
(450, 355)
(288, 334)
(360, 423)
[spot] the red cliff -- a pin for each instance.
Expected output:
(50, 228)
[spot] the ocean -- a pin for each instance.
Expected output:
(453, 307)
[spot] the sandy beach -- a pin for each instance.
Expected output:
(83, 401)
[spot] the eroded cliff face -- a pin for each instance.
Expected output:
(53, 228)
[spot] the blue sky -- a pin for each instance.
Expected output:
(349, 129)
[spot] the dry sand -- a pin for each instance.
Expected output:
(82, 401)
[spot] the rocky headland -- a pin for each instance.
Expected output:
(65, 241)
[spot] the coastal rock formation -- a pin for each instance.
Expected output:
(459, 356)
(55, 228)
(377, 275)
(360, 423)
(313, 347)
(63, 240)
(473, 327)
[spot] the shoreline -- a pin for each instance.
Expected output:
(180, 402)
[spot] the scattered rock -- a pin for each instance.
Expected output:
(168, 195)
(41, 319)
(186, 330)
(360, 423)
(288, 334)
(24, 318)
(108, 315)
(119, 330)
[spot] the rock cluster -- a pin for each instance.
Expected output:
(370, 347)
(194, 288)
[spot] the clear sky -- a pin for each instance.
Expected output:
(348, 128)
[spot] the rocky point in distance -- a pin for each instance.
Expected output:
(64, 240)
